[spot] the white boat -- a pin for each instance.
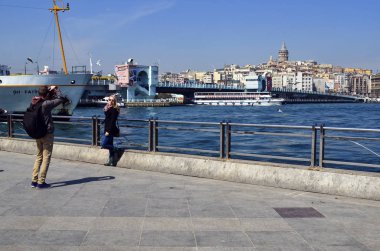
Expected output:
(119, 100)
(236, 98)
(17, 91)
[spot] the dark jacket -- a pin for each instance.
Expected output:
(110, 121)
(47, 107)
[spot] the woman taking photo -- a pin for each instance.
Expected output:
(111, 112)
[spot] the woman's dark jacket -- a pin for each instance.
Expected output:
(110, 121)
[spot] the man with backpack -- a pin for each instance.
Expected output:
(38, 123)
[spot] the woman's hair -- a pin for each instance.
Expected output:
(114, 103)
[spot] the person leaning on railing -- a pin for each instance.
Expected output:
(111, 112)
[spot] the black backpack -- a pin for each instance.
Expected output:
(34, 122)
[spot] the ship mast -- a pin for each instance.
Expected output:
(56, 9)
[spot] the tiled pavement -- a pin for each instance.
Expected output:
(92, 207)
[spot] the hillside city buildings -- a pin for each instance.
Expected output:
(289, 75)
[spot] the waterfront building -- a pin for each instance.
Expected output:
(375, 85)
(360, 84)
(341, 83)
(277, 81)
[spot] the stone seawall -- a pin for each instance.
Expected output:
(336, 182)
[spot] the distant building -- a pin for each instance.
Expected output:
(283, 54)
(360, 84)
(375, 85)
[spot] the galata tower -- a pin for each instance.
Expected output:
(283, 53)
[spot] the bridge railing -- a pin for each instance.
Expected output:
(315, 146)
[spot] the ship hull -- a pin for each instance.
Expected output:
(16, 92)
(240, 102)
(236, 98)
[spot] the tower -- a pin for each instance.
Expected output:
(283, 53)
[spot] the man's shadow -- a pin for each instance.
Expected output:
(80, 181)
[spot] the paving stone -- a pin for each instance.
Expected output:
(167, 208)
(207, 208)
(169, 224)
(253, 210)
(54, 237)
(118, 223)
(222, 239)
(168, 239)
(68, 223)
(276, 240)
(22, 222)
(13, 237)
(330, 238)
(265, 224)
(129, 207)
(216, 224)
(112, 238)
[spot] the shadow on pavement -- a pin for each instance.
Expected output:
(80, 181)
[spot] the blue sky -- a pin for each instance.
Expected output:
(192, 34)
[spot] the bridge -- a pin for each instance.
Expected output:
(291, 96)
(188, 90)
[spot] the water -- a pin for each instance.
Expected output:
(332, 115)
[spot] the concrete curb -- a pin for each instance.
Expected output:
(358, 185)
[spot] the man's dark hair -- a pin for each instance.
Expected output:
(43, 91)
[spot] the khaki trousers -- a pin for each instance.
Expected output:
(44, 151)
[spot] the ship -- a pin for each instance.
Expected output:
(17, 91)
(237, 98)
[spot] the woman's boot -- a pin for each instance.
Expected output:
(115, 157)
(110, 159)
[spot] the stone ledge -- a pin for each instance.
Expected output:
(358, 185)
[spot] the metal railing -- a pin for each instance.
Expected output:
(314, 146)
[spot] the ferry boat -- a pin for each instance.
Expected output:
(236, 98)
(119, 100)
(17, 91)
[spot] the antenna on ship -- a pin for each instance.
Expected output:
(56, 9)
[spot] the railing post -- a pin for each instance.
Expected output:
(155, 135)
(95, 131)
(228, 140)
(222, 139)
(321, 145)
(10, 125)
(150, 135)
(313, 157)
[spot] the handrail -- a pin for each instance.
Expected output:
(224, 139)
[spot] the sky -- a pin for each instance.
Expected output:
(200, 35)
